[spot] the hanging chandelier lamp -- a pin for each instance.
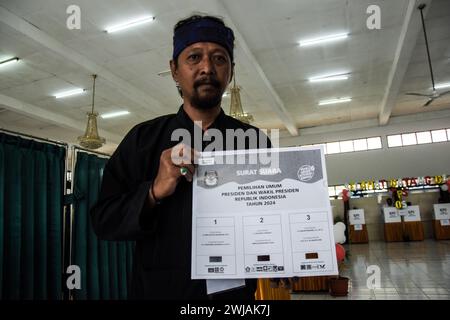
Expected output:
(91, 138)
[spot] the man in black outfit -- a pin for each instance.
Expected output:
(146, 195)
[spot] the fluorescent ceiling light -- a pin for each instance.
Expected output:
(9, 61)
(442, 85)
(114, 114)
(332, 101)
(329, 78)
(68, 93)
(130, 24)
(333, 37)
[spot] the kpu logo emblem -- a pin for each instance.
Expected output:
(306, 173)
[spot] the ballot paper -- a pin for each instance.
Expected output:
(262, 214)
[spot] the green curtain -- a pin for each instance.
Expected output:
(31, 209)
(105, 265)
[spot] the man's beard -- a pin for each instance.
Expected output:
(206, 103)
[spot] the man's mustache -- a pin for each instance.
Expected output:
(210, 81)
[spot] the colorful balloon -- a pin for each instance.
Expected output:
(339, 232)
(340, 252)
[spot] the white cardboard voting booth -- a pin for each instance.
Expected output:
(358, 230)
(356, 217)
(441, 211)
(411, 213)
(441, 223)
(391, 215)
(403, 224)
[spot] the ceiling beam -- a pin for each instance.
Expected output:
(35, 112)
(124, 87)
(278, 104)
(406, 43)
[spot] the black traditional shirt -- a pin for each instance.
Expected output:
(162, 260)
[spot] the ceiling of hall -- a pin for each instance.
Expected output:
(272, 69)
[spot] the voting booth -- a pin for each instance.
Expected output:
(412, 223)
(403, 224)
(358, 229)
(441, 221)
(393, 229)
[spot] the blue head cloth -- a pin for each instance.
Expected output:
(202, 30)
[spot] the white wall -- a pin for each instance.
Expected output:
(410, 161)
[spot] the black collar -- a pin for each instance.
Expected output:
(186, 121)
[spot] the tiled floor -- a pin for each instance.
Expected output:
(408, 271)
